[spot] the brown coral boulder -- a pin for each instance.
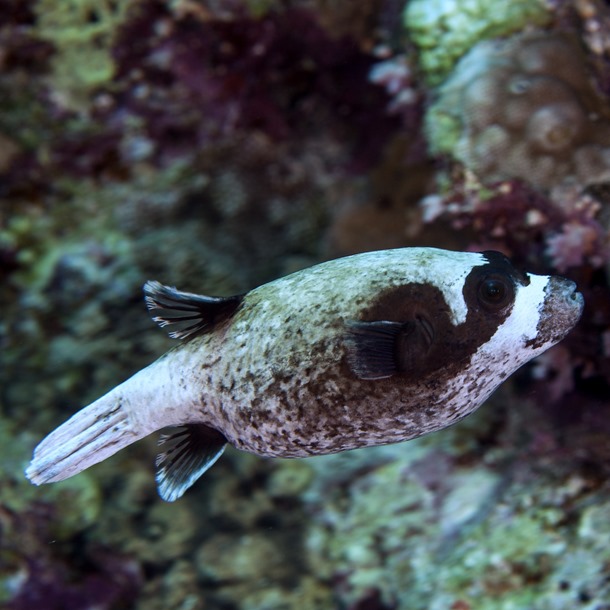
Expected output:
(525, 108)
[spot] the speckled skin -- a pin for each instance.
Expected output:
(275, 378)
(294, 395)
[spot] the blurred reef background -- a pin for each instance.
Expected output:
(218, 144)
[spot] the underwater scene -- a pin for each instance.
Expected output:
(204, 166)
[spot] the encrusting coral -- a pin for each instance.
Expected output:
(444, 31)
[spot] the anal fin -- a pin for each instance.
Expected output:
(188, 451)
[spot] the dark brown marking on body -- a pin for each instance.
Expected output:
(489, 292)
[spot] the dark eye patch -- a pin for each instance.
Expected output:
(495, 291)
(491, 287)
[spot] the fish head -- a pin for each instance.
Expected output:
(463, 314)
(532, 312)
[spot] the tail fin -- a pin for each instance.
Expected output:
(90, 436)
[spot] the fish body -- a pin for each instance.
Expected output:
(365, 350)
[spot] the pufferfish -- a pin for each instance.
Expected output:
(365, 350)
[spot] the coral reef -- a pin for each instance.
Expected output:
(396, 74)
(524, 108)
(594, 26)
(215, 145)
(562, 232)
(271, 75)
(229, 164)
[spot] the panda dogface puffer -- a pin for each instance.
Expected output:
(365, 350)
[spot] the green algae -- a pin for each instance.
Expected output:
(427, 548)
(93, 213)
(81, 32)
(260, 8)
(503, 560)
(388, 533)
(444, 30)
(443, 131)
(23, 117)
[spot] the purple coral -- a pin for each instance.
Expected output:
(194, 81)
(564, 231)
(59, 576)
(190, 82)
(574, 244)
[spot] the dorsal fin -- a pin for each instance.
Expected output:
(190, 313)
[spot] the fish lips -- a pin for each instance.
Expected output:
(561, 309)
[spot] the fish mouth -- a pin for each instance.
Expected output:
(561, 309)
(573, 298)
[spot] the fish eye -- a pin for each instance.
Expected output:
(495, 292)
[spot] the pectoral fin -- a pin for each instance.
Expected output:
(189, 313)
(187, 453)
(382, 349)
